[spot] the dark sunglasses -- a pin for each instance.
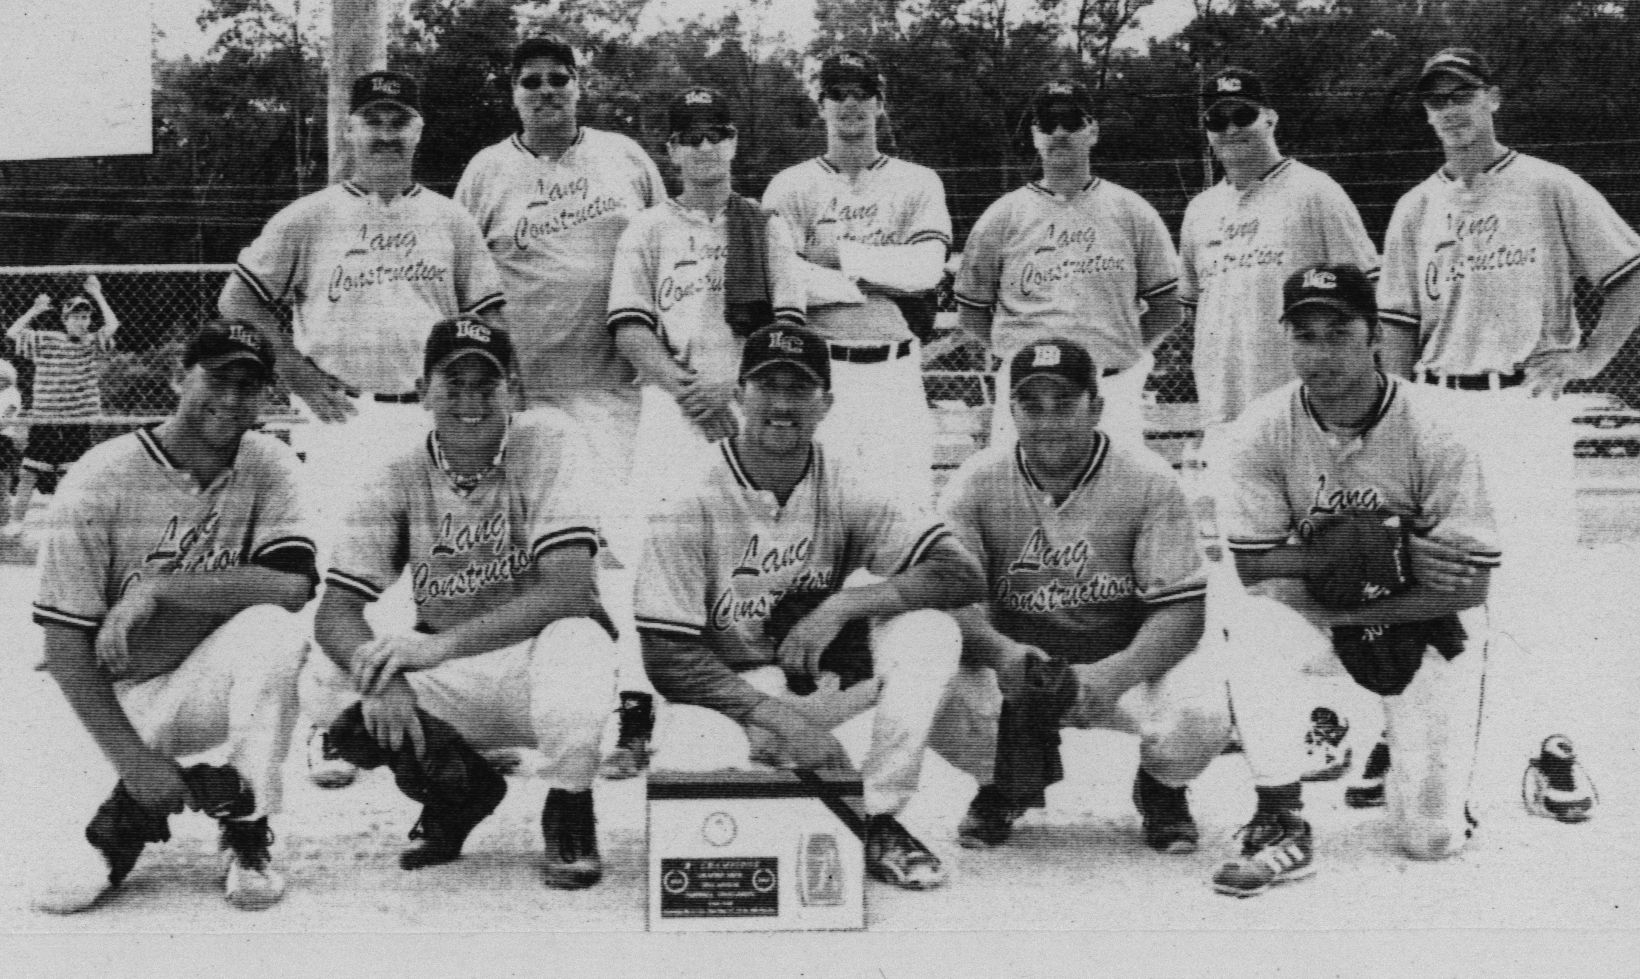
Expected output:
(1442, 100)
(557, 79)
(1221, 117)
(1070, 120)
(714, 135)
(842, 93)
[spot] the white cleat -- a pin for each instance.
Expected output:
(325, 769)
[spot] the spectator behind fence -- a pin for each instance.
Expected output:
(68, 357)
(11, 405)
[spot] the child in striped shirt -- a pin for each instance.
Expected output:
(68, 358)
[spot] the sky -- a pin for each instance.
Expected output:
(794, 18)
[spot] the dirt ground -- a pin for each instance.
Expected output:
(1076, 867)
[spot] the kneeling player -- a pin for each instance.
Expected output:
(1095, 609)
(774, 518)
(174, 561)
(1401, 610)
(511, 646)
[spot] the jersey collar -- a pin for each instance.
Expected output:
(731, 456)
(519, 145)
(1385, 400)
(877, 164)
(1096, 460)
(464, 483)
(357, 191)
(1508, 157)
(156, 452)
(1042, 189)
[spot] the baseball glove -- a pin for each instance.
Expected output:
(848, 656)
(1027, 754)
(1362, 557)
(1385, 658)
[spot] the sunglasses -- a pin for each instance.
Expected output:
(557, 79)
(714, 135)
(1222, 117)
(842, 93)
(1441, 100)
(1070, 120)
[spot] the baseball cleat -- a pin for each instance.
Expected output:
(895, 856)
(219, 791)
(569, 826)
(1555, 785)
(117, 834)
(631, 755)
(326, 769)
(1164, 812)
(1367, 790)
(1275, 849)
(989, 822)
(443, 828)
(252, 882)
(1324, 743)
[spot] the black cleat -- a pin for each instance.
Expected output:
(989, 822)
(1164, 812)
(569, 826)
(443, 828)
(1367, 792)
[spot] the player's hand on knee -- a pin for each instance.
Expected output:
(155, 781)
(1010, 669)
(1442, 564)
(379, 661)
(811, 746)
(800, 651)
(322, 393)
(133, 609)
(391, 717)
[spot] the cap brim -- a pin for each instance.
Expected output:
(386, 101)
(1342, 306)
(456, 355)
(1219, 98)
(1038, 375)
(1456, 71)
(805, 368)
(232, 357)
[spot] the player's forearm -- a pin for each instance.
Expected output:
(895, 268)
(563, 585)
(1398, 352)
(982, 643)
(687, 671)
(1286, 561)
(1619, 315)
(340, 626)
(947, 578)
(1161, 317)
(1418, 604)
(231, 591)
(72, 662)
(1168, 636)
(649, 356)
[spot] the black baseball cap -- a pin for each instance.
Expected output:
(1234, 83)
(222, 342)
(1465, 64)
(780, 344)
(394, 87)
(1061, 94)
(849, 66)
(1343, 287)
(1055, 357)
(698, 108)
(545, 46)
(459, 336)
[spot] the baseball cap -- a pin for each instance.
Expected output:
(1233, 83)
(1343, 287)
(385, 86)
(1061, 94)
(849, 66)
(1056, 357)
(698, 108)
(222, 342)
(545, 46)
(78, 302)
(459, 336)
(1466, 64)
(781, 344)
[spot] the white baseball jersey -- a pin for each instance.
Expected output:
(669, 278)
(1236, 248)
(465, 552)
(1287, 470)
(1485, 273)
(553, 227)
(1076, 578)
(891, 202)
(125, 511)
(367, 280)
(1077, 267)
(719, 558)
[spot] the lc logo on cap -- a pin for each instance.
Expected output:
(239, 333)
(1059, 88)
(473, 330)
(1047, 355)
(785, 343)
(851, 60)
(1319, 279)
(385, 86)
(1231, 84)
(698, 97)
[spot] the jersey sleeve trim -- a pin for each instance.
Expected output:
(46, 615)
(285, 543)
(668, 627)
(971, 302)
(355, 584)
(251, 279)
(631, 316)
(919, 550)
(1621, 272)
(1188, 302)
(929, 234)
(1255, 545)
(490, 301)
(1170, 285)
(1395, 317)
(792, 315)
(1193, 588)
(563, 538)
(1485, 559)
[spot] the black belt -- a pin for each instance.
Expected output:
(870, 355)
(1490, 381)
(407, 398)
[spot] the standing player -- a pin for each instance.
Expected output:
(1090, 559)
(870, 228)
(67, 363)
(1270, 216)
(367, 266)
(1072, 256)
(511, 646)
(173, 564)
(1480, 262)
(774, 517)
(1347, 443)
